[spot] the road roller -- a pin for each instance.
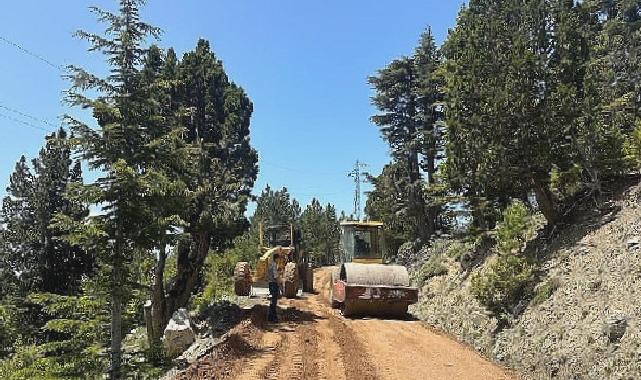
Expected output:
(362, 285)
(293, 267)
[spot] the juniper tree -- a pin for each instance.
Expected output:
(212, 115)
(499, 145)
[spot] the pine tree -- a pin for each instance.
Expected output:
(385, 203)
(401, 125)
(117, 148)
(33, 243)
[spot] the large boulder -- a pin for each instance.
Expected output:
(178, 335)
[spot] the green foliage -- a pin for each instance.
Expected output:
(508, 280)
(545, 291)
(32, 243)
(218, 274)
(633, 147)
(440, 253)
(565, 184)
(77, 353)
(407, 92)
(9, 328)
(435, 266)
(515, 229)
(385, 204)
(321, 233)
(275, 207)
(503, 284)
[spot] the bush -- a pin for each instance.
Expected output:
(515, 228)
(508, 280)
(218, 273)
(431, 268)
(544, 291)
(503, 284)
(565, 184)
(632, 147)
(8, 329)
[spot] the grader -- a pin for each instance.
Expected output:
(362, 284)
(293, 267)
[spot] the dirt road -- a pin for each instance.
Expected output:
(312, 341)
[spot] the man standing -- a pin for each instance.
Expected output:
(272, 275)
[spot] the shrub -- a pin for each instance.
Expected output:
(565, 184)
(513, 231)
(632, 147)
(433, 267)
(544, 291)
(218, 274)
(503, 284)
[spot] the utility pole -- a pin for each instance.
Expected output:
(359, 177)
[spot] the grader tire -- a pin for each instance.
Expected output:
(242, 279)
(308, 278)
(290, 281)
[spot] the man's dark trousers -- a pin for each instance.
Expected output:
(273, 291)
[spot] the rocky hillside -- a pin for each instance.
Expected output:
(583, 320)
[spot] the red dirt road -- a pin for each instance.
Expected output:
(312, 341)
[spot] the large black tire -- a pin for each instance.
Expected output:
(290, 280)
(242, 279)
(308, 278)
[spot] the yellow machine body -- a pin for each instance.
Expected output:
(291, 264)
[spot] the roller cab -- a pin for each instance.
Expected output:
(362, 284)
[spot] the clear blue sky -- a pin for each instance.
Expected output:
(304, 64)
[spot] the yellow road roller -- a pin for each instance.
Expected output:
(362, 285)
(294, 270)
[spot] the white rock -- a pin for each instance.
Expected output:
(178, 334)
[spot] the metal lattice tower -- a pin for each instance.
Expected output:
(359, 177)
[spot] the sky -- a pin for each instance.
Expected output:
(304, 64)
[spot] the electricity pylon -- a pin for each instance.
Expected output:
(359, 177)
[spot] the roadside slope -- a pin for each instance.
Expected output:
(586, 322)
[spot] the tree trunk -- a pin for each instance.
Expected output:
(159, 318)
(116, 322)
(545, 201)
(165, 301)
(424, 227)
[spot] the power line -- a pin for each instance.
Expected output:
(23, 114)
(25, 123)
(302, 171)
(30, 53)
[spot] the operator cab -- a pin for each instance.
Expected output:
(279, 235)
(361, 242)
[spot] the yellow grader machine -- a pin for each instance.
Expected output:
(362, 284)
(293, 267)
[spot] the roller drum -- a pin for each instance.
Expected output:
(375, 275)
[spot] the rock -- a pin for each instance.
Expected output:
(178, 334)
(633, 243)
(615, 328)
(200, 348)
